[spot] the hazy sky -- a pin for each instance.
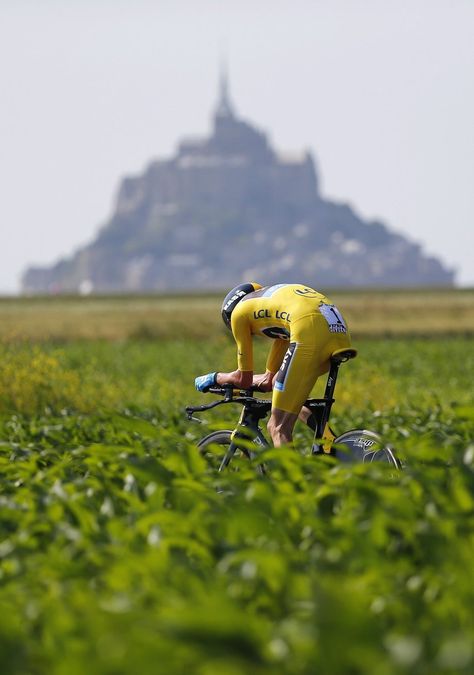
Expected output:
(381, 91)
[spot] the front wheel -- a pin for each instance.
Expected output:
(363, 446)
(217, 448)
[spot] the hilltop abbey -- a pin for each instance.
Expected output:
(228, 208)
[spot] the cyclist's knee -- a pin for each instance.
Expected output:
(280, 426)
(272, 426)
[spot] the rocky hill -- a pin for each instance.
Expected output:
(229, 208)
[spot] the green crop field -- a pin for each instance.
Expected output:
(121, 553)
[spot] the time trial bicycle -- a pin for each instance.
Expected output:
(223, 447)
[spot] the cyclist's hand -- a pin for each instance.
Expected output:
(263, 382)
(204, 382)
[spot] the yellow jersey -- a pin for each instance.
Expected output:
(284, 313)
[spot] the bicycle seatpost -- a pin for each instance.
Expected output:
(329, 393)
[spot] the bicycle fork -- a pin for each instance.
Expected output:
(247, 431)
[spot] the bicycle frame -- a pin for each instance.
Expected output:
(254, 410)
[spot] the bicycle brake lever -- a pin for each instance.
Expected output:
(191, 418)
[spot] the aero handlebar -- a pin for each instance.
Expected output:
(227, 391)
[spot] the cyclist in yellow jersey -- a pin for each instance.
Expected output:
(306, 328)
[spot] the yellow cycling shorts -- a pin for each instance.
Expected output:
(306, 358)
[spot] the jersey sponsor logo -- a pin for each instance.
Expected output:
(276, 333)
(266, 314)
(333, 317)
(262, 314)
(284, 369)
(307, 292)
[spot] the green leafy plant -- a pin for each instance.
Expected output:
(120, 552)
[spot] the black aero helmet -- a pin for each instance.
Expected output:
(233, 297)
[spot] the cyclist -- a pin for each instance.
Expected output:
(306, 328)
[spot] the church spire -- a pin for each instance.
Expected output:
(224, 106)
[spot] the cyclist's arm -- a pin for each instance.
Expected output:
(243, 339)
(276, 354)
(265, 381)
(241, 377)
(238, 378)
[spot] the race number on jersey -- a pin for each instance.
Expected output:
(333, 317)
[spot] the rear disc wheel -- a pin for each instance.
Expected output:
(363, 446)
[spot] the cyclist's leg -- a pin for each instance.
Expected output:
(293, 383)
(280, 426)
(305, 414)
(328, 342)
(307, 417)
(306, 359)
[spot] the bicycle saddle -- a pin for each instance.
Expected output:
(341, 355)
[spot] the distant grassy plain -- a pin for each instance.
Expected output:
(417, 312)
